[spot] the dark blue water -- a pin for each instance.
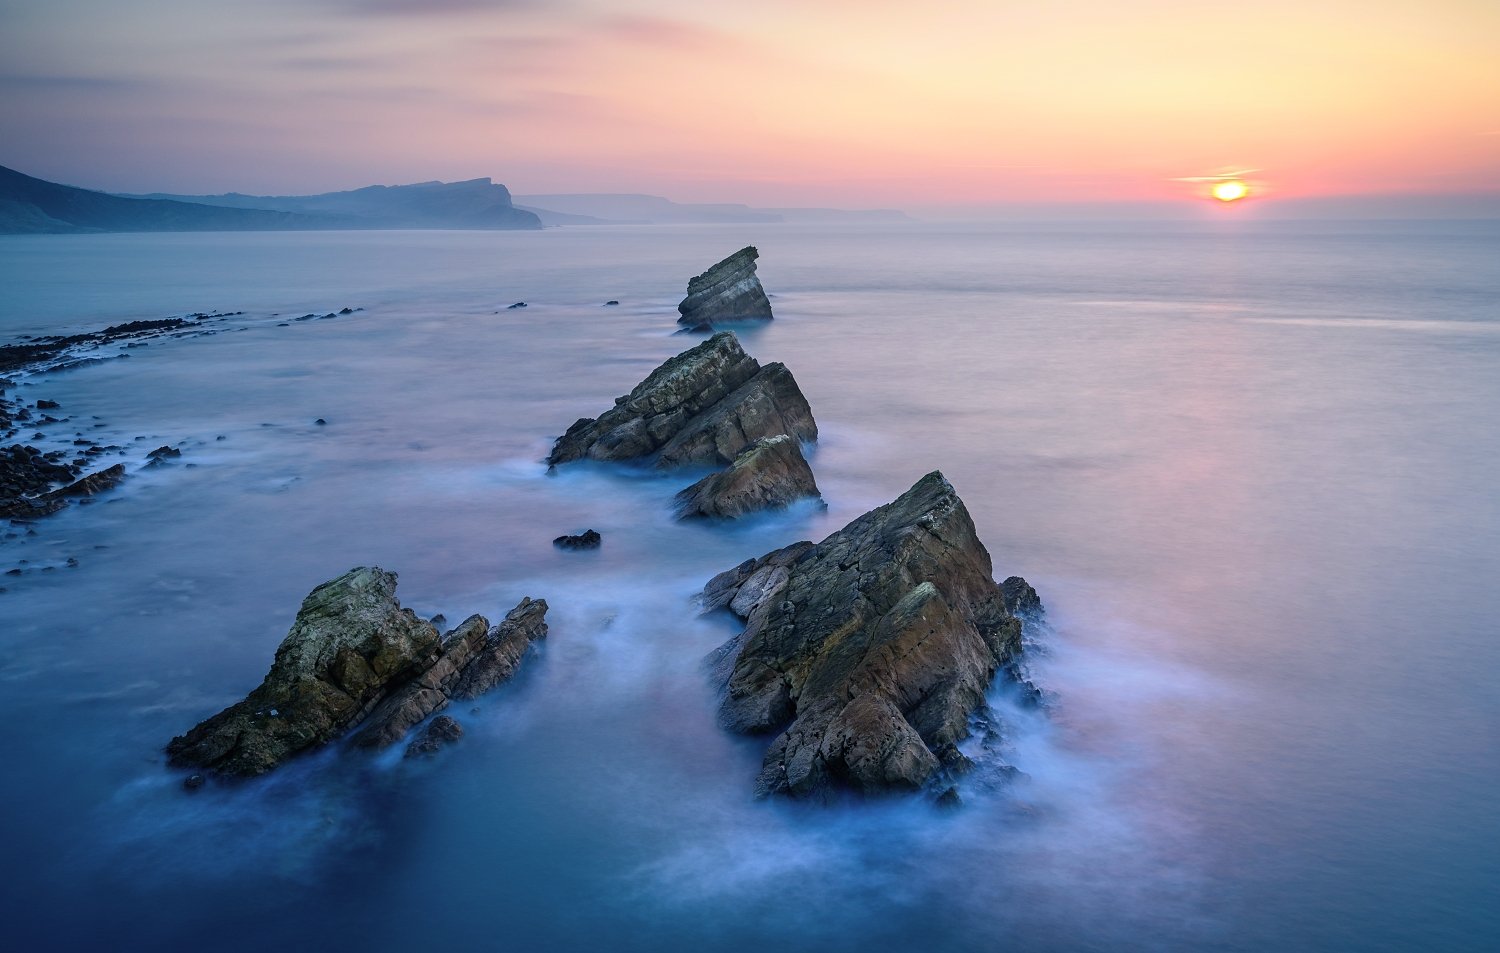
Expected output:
(1251, 470)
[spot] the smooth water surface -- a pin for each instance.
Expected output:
(1250, 469)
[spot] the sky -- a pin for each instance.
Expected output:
(853, 103)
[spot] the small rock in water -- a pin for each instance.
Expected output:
(346, 311)
(321, 422)
(610, 302)
(46, 405)
(440, 732)
(518, 304)
(161, 455)
(949, 800)
(439, 620)
(193, 782)
(589, 539)
(72, 562)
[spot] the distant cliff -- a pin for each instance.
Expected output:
(476, 203)
(30, 205)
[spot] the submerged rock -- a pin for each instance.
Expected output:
(439, 733)
(769, 474)
(729, 291)
(701, 407)
(866, 653)
(354, 657)
(588, 539)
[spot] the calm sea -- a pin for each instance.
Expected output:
(1251, 469)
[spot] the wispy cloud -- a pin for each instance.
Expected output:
(41, 82)
(423, 8)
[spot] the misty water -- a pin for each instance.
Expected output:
(1250, 468)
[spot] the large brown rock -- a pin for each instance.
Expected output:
(699, 408)
(350, 643)
(729, 291)
(355, 659)
(866, 654)
(771, 473)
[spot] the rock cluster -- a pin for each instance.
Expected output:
(771, 473)
(866, 654)
(729, 291)
(699, 408)
(355, 655)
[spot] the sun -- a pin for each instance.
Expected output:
(1230, 190)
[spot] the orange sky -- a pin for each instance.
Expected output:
(835, 102)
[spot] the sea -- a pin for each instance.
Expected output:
(1252, 468)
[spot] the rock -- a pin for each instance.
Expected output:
(193, 782)
(611, 303)
(588, 539)
(729, 291)
(92, 484)
(949, 800)
(346, 311)
(518, 304)
(46, 405)
(161, 455)
(473, 659)
(351, 642)
(769, 474)
(699, 408)
(439, 733)
(505, 645)
(26, 476)
(320, 422)
(866, 653)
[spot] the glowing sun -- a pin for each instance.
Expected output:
(1231, 190)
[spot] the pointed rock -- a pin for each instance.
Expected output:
(866, 653)
(699, 408)
(350, 642)
(769, 474)
(729, 291)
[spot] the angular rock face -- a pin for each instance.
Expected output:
(350, 641)
(869, 651)
(729, 291)
(355, 656)
(701, 407)
(474, 659)
(771, 473)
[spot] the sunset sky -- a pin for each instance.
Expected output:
(831, 102)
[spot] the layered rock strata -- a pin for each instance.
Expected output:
(699, 408)
(355, 655)
(771, 473)
(866, 654)
(729, 291)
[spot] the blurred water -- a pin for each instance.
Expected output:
(1251, 470)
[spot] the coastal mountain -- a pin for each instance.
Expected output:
(31, 205)
(475, 203)
(630, 209)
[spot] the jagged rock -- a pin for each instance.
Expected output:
(504, 647)
(518, 304)
(588, 539)
(354, 657)
(769, 474)
(161, 455)
(701, 407)
(92, 484)
(350, 643)
(729, 291)
(473, 659)
(46, 405)
(428, 692)
(865, 653)
(439, 733)
(26, 475)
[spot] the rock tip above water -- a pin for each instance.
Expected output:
(729, 291)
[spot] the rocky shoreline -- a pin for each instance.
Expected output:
(865, 659)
